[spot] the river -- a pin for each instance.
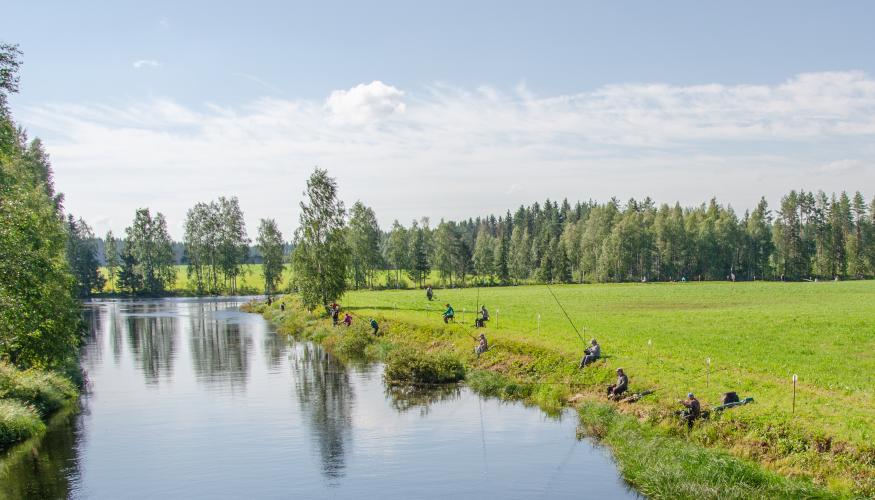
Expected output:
(191, 398)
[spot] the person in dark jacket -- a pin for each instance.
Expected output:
(693, 409)
(482, 345)
(429, 293)
(617, 390)
(375, 326)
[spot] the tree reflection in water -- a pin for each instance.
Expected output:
(43, 467)
(220, 351)
(406, 397)
(152, 339)
(325, 396)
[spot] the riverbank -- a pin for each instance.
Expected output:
(28, 399)
(717, 459)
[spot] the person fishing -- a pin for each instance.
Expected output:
(429, 293)
(616, 390)
(347, 320)
(480, 322)
(375, 326)
(335, 313)
(482, 345)
(591, 353)
(693, 409)
(449, 314)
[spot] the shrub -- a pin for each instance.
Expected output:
(352, 343)
(411, 366)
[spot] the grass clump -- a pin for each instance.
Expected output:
(17, 422)
(45, 391)
(661, 466)
(408, 365)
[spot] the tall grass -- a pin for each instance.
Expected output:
(17, 422)
(662, 466)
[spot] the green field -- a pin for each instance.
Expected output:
(757, 336)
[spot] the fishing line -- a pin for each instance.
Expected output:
(482, 435)
(564, 312)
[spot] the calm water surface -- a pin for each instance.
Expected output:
(190, 398)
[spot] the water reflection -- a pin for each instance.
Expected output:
(325, 397)
(46, 467)
(220, 352)
(152, 340)
(404, 398)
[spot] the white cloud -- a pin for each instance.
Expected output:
(443, 151)
(365, 103)
(145, 63)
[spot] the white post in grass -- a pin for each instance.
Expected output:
(795, 378)
(496, 317)
(708, 376)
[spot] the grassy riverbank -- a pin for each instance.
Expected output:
(685, 322)
(27, 399)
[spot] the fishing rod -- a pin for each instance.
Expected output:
(564, 312)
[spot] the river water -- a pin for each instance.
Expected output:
(190, 398)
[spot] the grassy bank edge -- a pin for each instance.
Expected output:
(28, 399)
(656, 459)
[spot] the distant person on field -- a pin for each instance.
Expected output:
(429, 293)
(375, 326)
(482, 345)
(449, 314)
(283, 306)
(484, 317)
(616, 390)
(693, 409)
(347, 320)
(591, 353)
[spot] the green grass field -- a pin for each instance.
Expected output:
(757, 335)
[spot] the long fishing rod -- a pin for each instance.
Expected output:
(564, 312)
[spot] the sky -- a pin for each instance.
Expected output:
(447, 109)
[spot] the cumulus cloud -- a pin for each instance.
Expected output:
(443, 151)
(365, 103)
(145, 63)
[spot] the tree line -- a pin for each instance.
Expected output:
(40, 322)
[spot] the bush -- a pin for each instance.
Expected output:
(352, 343)
(411, 366)
(17, 422)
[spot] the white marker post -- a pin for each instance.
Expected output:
(795, 378)
(708, 376)
(496, 317)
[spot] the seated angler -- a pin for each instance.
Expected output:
(615, 391)
(482, 345)
(484, 317)
(347, 320)
(591, 353)
(693, 409)
(449, 314)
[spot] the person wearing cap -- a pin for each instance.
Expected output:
(693, 409)
(449, 314)
(591, 353)
(617, 390)
(375, 326)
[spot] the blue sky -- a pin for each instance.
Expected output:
(417, 108)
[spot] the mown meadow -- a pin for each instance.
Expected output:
(755, 334)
